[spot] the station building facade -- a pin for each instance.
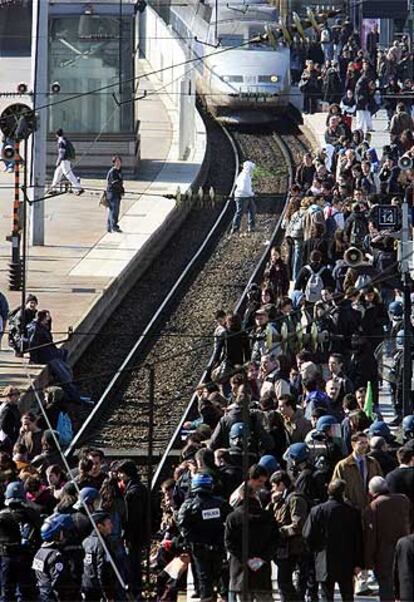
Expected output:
(91, 46)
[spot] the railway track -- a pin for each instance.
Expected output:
(177, 339)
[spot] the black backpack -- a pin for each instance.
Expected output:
(358, 232)
(70, 150)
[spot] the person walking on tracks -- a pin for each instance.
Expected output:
(244, 197)
(66, 154)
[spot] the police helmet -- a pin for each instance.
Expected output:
(400, 339)
(54, 524)
(396, 309)
(269, 463)
(407, 425)
(14, 492)
(324, 423)
(297, 453)
(379, 429)
(238, 429)
(202, 482)
(87, 495)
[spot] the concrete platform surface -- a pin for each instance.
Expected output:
(80, 260)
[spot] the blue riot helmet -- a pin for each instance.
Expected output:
(202, 482)
(408, 426)
(396, 309)
(297, 453)
(269, 463)
(237, 431)
(329, 425)
(14, 493)
(380, 429)
(54, 524)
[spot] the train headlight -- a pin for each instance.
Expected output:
(274, 79)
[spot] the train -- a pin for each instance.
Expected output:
(242, 77)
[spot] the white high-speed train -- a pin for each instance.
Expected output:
(247, 84)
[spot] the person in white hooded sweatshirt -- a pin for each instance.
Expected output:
(244, 197)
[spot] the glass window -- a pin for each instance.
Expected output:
(16, 29)
(87, 52)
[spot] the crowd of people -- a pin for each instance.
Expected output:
(338, 66)
(288, 462)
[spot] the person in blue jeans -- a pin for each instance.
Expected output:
(244, 197)
(114, 192)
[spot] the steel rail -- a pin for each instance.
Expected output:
(255, 277)
(90, 423)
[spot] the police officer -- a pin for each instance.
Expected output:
(408, 428)
(331, 448)
(238, 431)
(19, 539)
(201, 521)
(307, 481)
(98, 578)
(53, 575)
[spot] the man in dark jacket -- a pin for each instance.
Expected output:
(356, 227)
(315, 266)
(333, 533)
(234, 415)
(19, 539)
(44, 351)
(114, 192)
(403, 569)
(9, 417)
(18, 322)
(290, 510)
(262, 539)
(401, 479)
(386, 519)
(98, 580)
(135, 528)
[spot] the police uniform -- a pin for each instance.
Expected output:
(53, 576)
(17, 536)
(98, 577)
(201, 521)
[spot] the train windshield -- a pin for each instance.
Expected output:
(235, 27)
(241, 38)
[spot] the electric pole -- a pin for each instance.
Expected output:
(406, 251)
(39, 83)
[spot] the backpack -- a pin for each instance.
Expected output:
(295, 229)
(314, 285)
(70, 150)
(386, 265)
(330, 225)
(358, 232)
(339, 273)
(362, 281)
(64, 428)
(326, 35)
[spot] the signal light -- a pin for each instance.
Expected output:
(55, 88)
(15, 276)
(8, 152)
(22, 88)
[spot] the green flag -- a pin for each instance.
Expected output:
(369, 402)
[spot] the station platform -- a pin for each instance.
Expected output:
(82, 268)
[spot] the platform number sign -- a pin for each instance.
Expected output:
(388, 216)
